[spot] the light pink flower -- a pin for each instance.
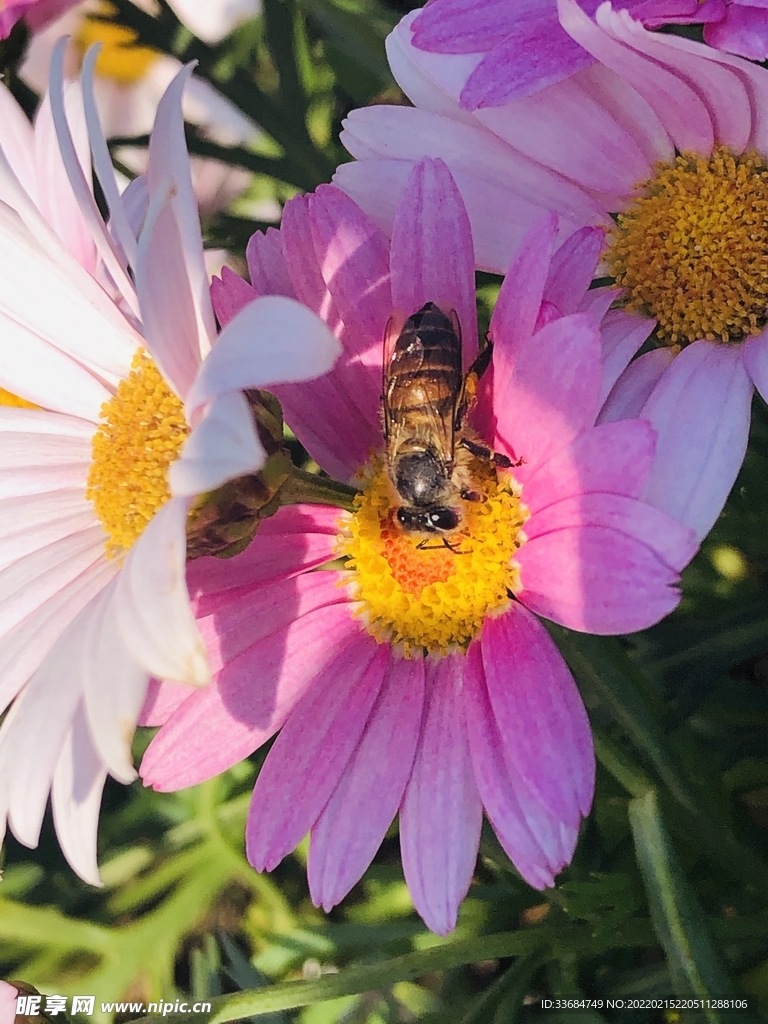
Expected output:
(493, 723)
(582, 147)
(523, 48)
(83, 626)
(36, 12)
(129, 82)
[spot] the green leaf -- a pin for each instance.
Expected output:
(677, 917)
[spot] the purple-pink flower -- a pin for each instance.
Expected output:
(521, 48)
(419, 679)
(663, 140)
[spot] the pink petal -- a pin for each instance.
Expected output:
(622, 337)
(756, 362)
(161, 700)
(441, 813)
(505, 74)
(724, 93)
(253, 694)
(615, 458)
(700, 410)
(229, 294)
(539, 714)
(633, 388)
(432, 258)
(78, 782)
(355, 820)
(466, 26)
(522, 292)
(152, 602)
(671, 541)
(530, 836)
(266, 264)
(295, 539)
(336, 419)
(7, 1003)
(353, 256)
(635, 115)
(743, 30)
(386, 142)
(606, 564)
(311, 753)
(680, 109)
(551, 396)
(572, 269)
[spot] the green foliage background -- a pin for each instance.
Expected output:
(668, 892)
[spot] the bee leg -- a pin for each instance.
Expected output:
(471, 495)
(481, 452)
(425, 545)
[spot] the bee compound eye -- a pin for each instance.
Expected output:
(443, 519)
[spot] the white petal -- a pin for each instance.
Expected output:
(32, 580)
(78, 782)
(118, 221)
(52, 304)
(214, 19)
(152, 601)
(33, 736)
(23, 649)
(41, 452)
(18, 144)
(81, 186)
(222, 446)
(115, 687)
(273, 340)
(30, 523)
(56, 199)
(169, 168)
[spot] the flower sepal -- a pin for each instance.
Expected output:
(223, 522)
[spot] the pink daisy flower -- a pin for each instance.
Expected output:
(661, 132)
(419, 678)
(114, 417)
(522, 48)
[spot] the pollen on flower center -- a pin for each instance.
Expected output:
(120, 58)
(416, 592)
(692, 250)
(141, 432)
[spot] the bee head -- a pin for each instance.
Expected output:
(437, 519)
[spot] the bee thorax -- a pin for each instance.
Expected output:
(420, 479)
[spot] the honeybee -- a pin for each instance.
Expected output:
(426, 399)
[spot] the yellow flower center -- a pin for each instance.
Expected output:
(119, 58)
(141, 432)
(418, 593)
(692, 250)
(8, 399)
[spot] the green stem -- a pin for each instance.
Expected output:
(310, 489)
